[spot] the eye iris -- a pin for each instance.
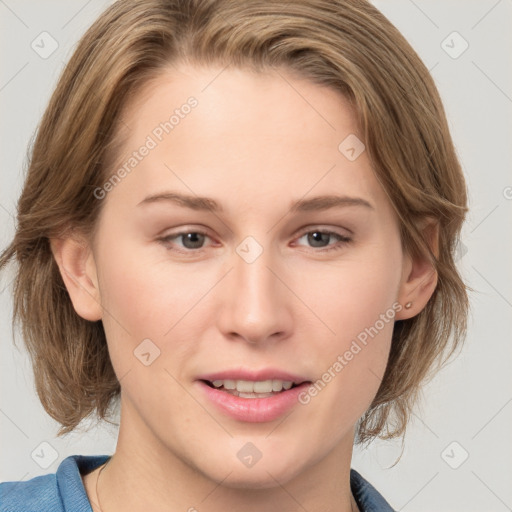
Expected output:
(193, 240)
(318, 239)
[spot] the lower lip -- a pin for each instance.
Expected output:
(255, 410)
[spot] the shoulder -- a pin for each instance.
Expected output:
(367, 497)
(39, 493)
(62, 491)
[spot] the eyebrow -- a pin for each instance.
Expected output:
(318, 203)
(192, 202)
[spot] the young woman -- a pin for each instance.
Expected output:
(238, 224)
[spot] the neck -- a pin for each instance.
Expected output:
(145, 475)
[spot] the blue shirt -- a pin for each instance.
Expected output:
(64, 491)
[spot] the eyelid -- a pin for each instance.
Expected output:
(165, 240)
(343, 238)
(324, 229)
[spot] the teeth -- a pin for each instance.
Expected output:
(229, 384)
(249, 386)
(246, 386)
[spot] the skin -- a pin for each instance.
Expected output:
(255, 145)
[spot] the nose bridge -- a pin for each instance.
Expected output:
(256, 307)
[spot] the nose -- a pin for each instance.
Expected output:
(256, 306)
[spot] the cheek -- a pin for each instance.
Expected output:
(351, 295)
(354, 302)
(134, 296)
(147, 297)
(146, 294)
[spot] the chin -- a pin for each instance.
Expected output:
(266, 473)
(262, 478)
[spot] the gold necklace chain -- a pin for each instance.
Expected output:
(352, 501)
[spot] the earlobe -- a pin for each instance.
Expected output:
(419, 277)
(78, 270)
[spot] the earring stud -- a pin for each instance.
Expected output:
(408, 305)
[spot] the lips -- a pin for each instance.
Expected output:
(254, 375)
(252, 396)
(251, 389)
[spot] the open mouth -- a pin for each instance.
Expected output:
(252, 389)
(253, 396)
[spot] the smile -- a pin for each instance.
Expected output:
(252, 396)
(252, 389)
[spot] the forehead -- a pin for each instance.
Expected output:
(254, 133)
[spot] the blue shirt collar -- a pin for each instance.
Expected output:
(74, 498)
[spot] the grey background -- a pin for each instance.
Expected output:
(469, 401)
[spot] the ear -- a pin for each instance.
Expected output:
(77, 267)
(419, 277)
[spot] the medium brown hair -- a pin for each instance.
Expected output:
(347, 45)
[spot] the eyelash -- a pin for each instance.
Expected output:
(342, 240)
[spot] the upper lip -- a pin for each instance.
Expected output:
(254, 375)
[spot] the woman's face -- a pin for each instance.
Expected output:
(290, 271)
